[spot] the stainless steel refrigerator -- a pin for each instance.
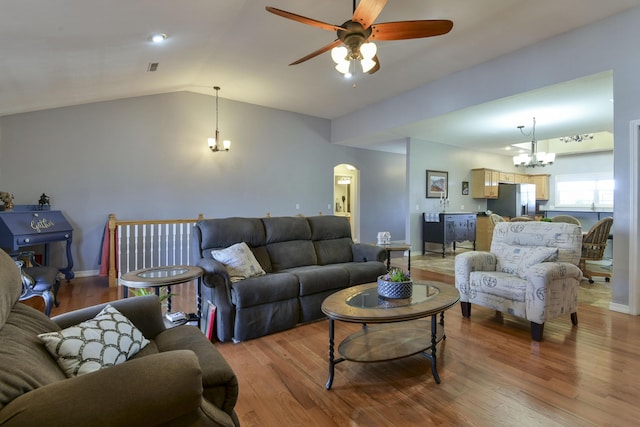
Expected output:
(514, 200)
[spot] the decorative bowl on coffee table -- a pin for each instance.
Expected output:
(395, 290)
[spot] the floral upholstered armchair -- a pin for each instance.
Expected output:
(531, 272)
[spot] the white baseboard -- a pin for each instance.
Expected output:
(620, 308)
(87, 273)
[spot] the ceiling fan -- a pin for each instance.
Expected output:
(355, 36)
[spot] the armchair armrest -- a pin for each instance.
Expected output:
(147, 391)
(467, 262)
(552, 290)
(145, 312)
(366, 252)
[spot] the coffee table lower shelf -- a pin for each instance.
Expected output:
(389, 341)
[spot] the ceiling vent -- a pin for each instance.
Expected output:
(153, 66)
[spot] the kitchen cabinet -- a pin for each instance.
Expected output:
(542, 186)
(506, 178)
(484, 183)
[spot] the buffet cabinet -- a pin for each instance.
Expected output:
(446, 228)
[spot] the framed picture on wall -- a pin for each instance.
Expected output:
(465, 188)
(437, 184)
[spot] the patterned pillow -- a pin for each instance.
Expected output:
(239, 261)
(518, 259)
(106, 340)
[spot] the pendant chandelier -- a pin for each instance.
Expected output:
(214, 143)
(536, 158)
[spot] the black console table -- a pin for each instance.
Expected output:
(445, 228)
(27, 226)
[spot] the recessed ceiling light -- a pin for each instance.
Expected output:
(158, 38)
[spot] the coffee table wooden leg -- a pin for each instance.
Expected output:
(434, 332)
(331, 359)
(431, 355)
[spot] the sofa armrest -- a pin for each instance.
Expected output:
(467, 262)
(148, 391)
(216, 286)
(145, 312)
(363, 252)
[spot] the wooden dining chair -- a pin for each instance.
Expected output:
(594, 242)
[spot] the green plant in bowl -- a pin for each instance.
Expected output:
(164, 293)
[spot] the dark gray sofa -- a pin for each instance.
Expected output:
(305, 258)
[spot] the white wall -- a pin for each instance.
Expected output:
(147, 158)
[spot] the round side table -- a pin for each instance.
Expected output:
(157, 277)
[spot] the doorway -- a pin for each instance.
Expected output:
(346, 196)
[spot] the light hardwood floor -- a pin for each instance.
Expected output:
(492, 373)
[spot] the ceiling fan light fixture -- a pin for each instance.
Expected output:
(339, 54)
(368, 50)
(367, 64)
(343, 66)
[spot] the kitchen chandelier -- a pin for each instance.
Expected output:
(536, 158)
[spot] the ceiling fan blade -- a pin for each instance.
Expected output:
(375, 67)
(323, 49)
(304, 20)
(367, 12)
(404, 30)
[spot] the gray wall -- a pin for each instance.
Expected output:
(425, 155)
(147, 158)
(606, 45)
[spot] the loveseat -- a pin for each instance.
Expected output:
(300, 261)
(177, 379)
(531, 272)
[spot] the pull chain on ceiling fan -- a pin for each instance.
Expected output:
(354, 42)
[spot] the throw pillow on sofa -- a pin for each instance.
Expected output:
(106, 340)
(239, 261)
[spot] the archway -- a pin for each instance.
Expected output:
(346, 196)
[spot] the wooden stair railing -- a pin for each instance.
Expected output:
(147, 243)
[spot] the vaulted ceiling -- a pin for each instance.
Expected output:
(55, 54)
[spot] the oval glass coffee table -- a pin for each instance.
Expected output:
(397, 330)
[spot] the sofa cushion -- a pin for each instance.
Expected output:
(283, 229)
(334, 251)
(318, 279)
(223, 232)
(239, 261)
(21, 350)
(329, 227)
(517, 259)
(106, 340)
(295, 253)
(363, 272)
(264, 289)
